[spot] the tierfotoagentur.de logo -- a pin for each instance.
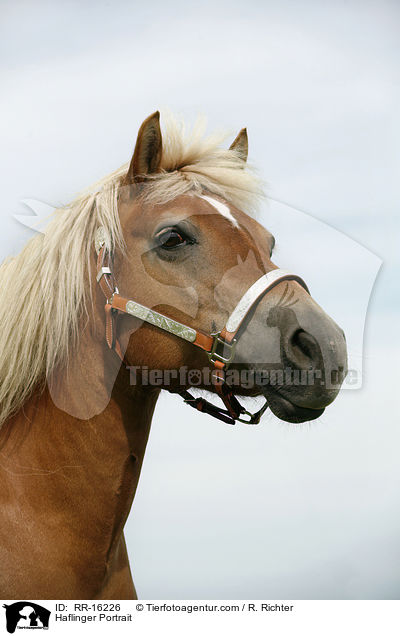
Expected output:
(26, 615)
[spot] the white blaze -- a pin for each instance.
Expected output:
(221, 208)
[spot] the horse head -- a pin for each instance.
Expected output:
(191, 252)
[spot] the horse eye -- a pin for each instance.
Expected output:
(170, 239)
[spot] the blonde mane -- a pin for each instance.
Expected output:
(44, 291)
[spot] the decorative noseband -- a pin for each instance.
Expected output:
(220, 347)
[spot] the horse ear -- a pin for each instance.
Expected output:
(241, 145)
(147, 155)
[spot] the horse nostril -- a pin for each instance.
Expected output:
(304, 344)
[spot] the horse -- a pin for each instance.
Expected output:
(176, 231)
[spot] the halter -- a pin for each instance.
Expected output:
(220, 347)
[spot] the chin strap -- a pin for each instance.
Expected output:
(220, 347)
(235, 413)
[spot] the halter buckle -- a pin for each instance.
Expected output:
(221, 344)
(110, 300)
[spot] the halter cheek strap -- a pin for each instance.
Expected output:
(220, 347)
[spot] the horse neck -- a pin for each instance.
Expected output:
(85, 470)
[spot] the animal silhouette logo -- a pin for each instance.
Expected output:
(26, 615)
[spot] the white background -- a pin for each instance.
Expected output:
(306, 617)
(277, 511)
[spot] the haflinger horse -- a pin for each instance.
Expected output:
(160, 267)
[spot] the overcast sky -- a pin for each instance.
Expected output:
(275, 511)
